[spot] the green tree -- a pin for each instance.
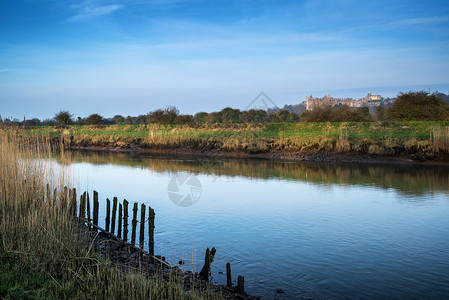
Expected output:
(418, 106)
(230, 115)
(118, 119)
(286, 116)
(94, 119)
(163, 116)
(213, 117)
(254, 116)
(380, 113)
(200, 118)
(184, 119)
(63, 118)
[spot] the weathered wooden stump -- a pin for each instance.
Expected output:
(228, 275)
(134, 224)
(208, 259)
(64, 198)
(48, 197)
(72, 203)
(142, 226)
(88, 209)
(125, 220)
(119, 226)
(96, 208)
(114, 212)
(151, 216)
(82, 213)
(241, 285)
(108, 214)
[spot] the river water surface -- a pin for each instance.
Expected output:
(324, 231)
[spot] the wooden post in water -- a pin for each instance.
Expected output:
(64, 198)
(70, 201)
(108, 214)
(73, 203)
(228, 275)
(208, 259)
(96, 206)
(119, 226)
(88, 208)
(114, 212)
(142, 226)
(151, 216)
(134, 224)
(55, 196)
(48, 194)
(125, 220)
(241, 285)
(82, 213)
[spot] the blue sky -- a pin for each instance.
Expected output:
(131, 57)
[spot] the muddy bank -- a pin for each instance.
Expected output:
(400, 156)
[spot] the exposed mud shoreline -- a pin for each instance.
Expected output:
(322, 156)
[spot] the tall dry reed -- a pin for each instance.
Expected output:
(38, 238)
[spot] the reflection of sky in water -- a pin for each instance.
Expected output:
(310, 239)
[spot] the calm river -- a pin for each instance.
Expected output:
(323, 231)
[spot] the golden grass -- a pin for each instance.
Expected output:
(417, 139)
(41, 256)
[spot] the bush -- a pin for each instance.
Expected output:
(418, 106)
(326, 113)
(63, 118)
(163, 116)
(94, 119)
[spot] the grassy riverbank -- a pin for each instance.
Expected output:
(416, 140)
(40, 254)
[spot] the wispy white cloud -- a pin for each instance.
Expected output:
(89, 9)
(422, 21)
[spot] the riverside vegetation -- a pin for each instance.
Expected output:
(416, 126)
(41, 255)
(418, 140)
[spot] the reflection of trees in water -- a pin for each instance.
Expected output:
(407, 179)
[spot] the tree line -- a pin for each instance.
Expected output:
(411, 106)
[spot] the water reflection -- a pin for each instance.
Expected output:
(410, 180)
(314, 230)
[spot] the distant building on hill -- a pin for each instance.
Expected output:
(369, 101)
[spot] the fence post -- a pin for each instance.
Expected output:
(48, 194)
(125, 220)
(108, 214)
(114, 212)
(228, 275)
(151, 216)
(241, 285)
(134, 224)
(142, 226)
(119, 226)
(82, 213)
(96, 206)
(70, 201)
(64, 198)
(55, 195)
(88, 209)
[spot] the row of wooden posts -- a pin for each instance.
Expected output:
(69, 200)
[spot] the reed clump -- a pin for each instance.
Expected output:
(40, 252)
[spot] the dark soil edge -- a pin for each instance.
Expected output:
(320, 156)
